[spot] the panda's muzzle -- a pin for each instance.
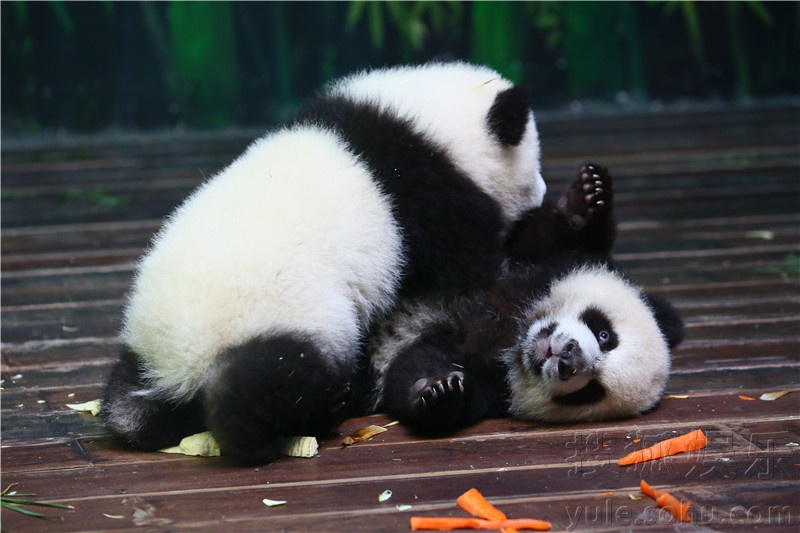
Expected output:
(570, 360)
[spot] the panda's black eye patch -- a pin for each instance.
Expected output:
(597, 321)
(546, 332)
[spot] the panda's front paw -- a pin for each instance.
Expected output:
(588, 195)
(595, 183)
(340, 400)
(432, 396)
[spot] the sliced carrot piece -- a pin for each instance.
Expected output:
(610, 493)
(667, 501)
(475, 504)
(670, 503)
(448, 523)
(650, 491)
(696, 440)
(748, 398)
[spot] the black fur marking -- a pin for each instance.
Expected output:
(547, 331)
(450, 226)
(577, 223)
(668, 319)
(274, 387)
(509, 115)
(141, 421)
(597, 321)
(593, 392)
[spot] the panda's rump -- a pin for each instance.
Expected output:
(295, 232)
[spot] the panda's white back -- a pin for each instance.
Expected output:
(294, 232)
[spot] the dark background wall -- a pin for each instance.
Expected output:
(91, 66)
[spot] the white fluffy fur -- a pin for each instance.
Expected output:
(244, 256)
(448, 104)
(633, 374)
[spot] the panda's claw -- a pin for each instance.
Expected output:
(439, 393)
(341, 399)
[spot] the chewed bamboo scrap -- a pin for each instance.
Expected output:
(204, 444)
(362, 434)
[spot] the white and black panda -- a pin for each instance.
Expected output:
(248, 313)
(560, 336)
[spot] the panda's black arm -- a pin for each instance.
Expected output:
(581, 220)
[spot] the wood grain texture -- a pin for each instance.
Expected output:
(709, 206)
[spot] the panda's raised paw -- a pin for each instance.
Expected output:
(433, 394)
(596, 186)
(589, 194)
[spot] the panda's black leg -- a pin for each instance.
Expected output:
(428, 392)
(140, 418)
(270, 388)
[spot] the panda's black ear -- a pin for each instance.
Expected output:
(667, 318)
(509, 114)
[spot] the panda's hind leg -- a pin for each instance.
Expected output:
(266, 389)
(138, 416)
(427, 391)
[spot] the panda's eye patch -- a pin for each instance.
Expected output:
(600, 326)
(547, 331)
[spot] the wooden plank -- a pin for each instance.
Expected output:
(563, 479)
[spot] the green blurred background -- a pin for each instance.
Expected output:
(95, 66)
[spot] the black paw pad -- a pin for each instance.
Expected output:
(595, 186)
(587, 196)
(434, 394)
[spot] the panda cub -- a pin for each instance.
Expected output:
(560, 336)
(249, 312)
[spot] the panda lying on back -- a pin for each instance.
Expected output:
(249, 313)
(559, 336)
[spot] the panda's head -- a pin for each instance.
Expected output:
(594, 348)
(483, 121)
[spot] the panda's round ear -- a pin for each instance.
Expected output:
(509, 114)
(668, 319)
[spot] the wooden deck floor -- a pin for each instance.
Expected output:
(710, 207)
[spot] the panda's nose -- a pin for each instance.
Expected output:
(568, 359)
(571, 351)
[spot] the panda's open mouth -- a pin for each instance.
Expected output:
(592, 392)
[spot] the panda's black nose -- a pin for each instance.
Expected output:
(571, 351)
(568, 359)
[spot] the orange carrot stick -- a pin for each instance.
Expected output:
(448, 523)
(667, 501)
(610, 493)
(690, 442)
(475, 504)
(748, 398)
(650, 491)
(670, 503)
